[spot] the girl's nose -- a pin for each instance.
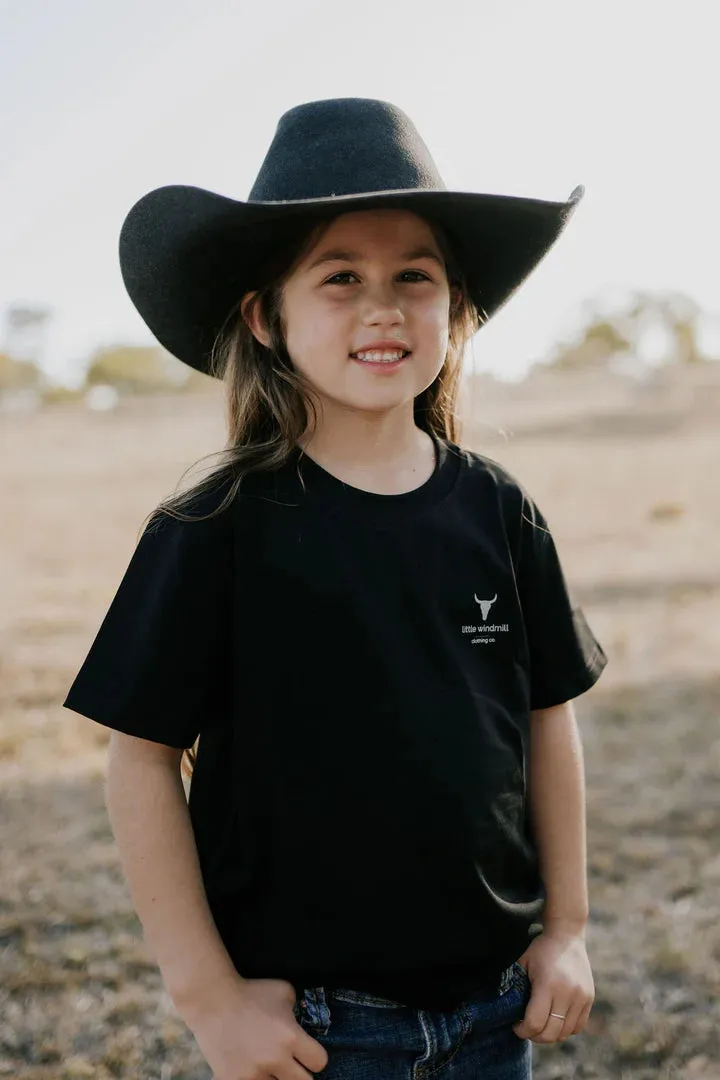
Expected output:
(383, 304)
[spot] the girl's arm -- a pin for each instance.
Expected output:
(151, 822)
(557, 807)
(556, 960)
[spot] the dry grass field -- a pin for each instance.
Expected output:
(629, 485)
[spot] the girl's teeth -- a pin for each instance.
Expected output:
(379, 355)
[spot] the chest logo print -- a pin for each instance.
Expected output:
(485, 606)
(484, 629)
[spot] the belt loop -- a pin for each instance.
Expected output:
(318, 1011)
(506, 979)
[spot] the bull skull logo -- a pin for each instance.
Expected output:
(485, 606)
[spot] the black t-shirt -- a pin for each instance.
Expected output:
(360, 669)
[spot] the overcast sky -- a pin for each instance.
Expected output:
(103, 101)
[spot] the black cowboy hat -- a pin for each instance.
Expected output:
(187, 255)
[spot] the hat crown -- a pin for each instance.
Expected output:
(344, 146)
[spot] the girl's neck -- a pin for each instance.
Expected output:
(382, 469)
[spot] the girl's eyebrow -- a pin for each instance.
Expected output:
(354, 256)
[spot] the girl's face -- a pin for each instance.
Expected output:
(373, 276)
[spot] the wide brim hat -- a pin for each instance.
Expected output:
(187, 255)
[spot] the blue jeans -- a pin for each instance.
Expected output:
(374, 1038)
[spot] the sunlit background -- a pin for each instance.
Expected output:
(105, 101)
(598, 388)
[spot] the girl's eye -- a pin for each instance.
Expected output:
(334, 279)
(349, 273)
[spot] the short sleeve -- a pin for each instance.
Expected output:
(566, 658)
(160, 663)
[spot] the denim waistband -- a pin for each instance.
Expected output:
(314, 999)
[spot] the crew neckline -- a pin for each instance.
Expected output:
(321, 487)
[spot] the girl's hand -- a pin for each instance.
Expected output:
(559, 970)
(247, 1031)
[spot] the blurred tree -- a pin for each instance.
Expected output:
(58, 395)
(599, 342)
(679, 315)
(198, 382)
(605, 336)
(133, 369)
(18, 374)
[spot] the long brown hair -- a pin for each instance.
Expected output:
(269, 402)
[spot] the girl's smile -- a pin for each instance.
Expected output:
(381, 359)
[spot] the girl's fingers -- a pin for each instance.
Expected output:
(582, 1019)
(575, 1020)
(539, 1026)
(537, 1014)
(555, 1026)
(572, 1016)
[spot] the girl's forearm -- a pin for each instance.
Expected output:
(557, 801)
(151, 823)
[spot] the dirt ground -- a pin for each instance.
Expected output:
(630, 491)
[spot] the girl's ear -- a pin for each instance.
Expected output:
(250, 311)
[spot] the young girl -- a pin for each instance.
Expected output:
(381, 872)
